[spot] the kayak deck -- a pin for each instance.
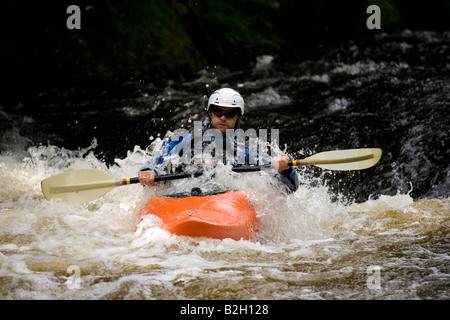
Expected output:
(224, 215)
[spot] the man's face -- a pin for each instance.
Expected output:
(222, 121)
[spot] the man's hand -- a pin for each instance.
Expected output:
(148, 178)
(280, 163)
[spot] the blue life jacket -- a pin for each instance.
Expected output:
(178, 148)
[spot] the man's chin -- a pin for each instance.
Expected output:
(222, 128)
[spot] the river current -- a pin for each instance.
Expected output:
(379, 233)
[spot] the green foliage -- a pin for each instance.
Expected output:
(390, 13)
(232, 28)
(130, 39)
(142, 37)
(162, 38)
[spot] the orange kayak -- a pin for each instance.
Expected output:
(221, 215)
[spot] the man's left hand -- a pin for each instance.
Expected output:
(280, 163)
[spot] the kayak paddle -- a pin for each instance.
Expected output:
(344, 160)
(80, 186)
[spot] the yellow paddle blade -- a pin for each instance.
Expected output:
(79, 186)
(349, 159)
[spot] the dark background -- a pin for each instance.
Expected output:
(161, 39)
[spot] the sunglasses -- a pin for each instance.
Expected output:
(227, 113)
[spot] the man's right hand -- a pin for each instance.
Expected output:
(148, 178)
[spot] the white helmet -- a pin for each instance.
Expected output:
(227, 98)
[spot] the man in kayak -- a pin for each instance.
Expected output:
(225, 108)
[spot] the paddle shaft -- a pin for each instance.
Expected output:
(85, 185)
(295, 163)
(183, 175)
(91, 179)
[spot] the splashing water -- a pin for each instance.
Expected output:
(322, 242)
(309, 246)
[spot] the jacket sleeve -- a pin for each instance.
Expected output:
(154, 165)
(288, 177)
(160, 164)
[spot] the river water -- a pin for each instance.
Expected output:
(380, 233)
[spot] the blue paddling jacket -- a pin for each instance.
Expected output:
(215, 145)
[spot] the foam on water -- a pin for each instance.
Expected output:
(302, 235)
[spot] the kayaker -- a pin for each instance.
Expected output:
(225, 108)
